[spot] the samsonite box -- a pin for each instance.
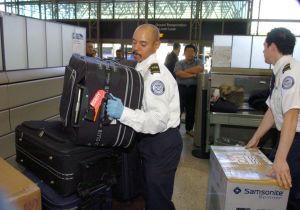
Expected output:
(20, 190)
(238, 180)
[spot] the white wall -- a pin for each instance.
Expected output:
(32, 43)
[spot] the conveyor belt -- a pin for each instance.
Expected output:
(244, 118)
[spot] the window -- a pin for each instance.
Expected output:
(29, 10)
(107, 10)
(82, 11)
(285, 13)
(66, 11)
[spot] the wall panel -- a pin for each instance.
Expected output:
(35, 111)
(7, 146)
(15, 44)
(36, 39)
(4, 125)
(54, 44)
(67, 33)
(39, 90)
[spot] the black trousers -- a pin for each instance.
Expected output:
(160, 155)
(187, 96)
(293, 160)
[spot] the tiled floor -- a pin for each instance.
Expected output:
(191, 179)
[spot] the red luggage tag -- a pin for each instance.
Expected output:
(96, 102)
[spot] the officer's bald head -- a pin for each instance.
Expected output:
(151, 29)
(145, 41)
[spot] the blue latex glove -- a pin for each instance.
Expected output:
(114, 107)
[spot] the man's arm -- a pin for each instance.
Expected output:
(190, 72)
(265, 125)
(280, 166)
(195, 69)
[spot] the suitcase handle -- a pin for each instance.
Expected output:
(89, 189)
(92, 114)
(104, 118)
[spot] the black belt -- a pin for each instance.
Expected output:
(187, 85)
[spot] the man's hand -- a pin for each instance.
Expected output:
(252, 143)
(114, 107)
(281, 171)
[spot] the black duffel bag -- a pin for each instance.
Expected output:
(87, 84)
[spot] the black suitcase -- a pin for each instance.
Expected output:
(45, 148)
(88, 79)
(130, 177)
(98, 198)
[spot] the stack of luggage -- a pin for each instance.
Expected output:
(78, 160)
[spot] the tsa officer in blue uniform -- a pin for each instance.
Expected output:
(284, 105)
(157, 121)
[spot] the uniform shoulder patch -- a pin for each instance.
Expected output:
(286, 68)
(154, 68)
(157, 87)
(288, 82)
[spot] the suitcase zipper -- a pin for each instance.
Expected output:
(59, 175)
(139, 102)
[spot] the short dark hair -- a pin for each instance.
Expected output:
(190, 46)
(284, 40)
(89, 41)
(176, 46)
(119, 50)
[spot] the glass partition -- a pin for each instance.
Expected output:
(239, 52)
(241, 58)
(257, 56)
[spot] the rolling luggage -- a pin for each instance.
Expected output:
(129, 183)
(98, 198)
(46, 149)
(87, 84)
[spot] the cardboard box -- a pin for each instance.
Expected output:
(238, 181)
(19, 189)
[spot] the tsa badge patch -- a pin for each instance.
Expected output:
(157, 87)
(288, 82)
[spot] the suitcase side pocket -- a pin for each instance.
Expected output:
(67, 95)
(80, 105)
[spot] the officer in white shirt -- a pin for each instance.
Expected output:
(160, 145)
(284, 105)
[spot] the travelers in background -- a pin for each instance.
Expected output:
(186, 72)
(119, 55)
(90, 48)
(172, 58)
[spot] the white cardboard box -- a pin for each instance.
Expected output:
(238, 181)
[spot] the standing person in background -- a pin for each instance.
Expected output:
(284, 105)
(186, 72)
(119, 55)
(120, 58)
(172, 58)
(89, 49)
(160, 143)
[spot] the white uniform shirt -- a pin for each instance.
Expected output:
(160, 106)
(286, 93)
